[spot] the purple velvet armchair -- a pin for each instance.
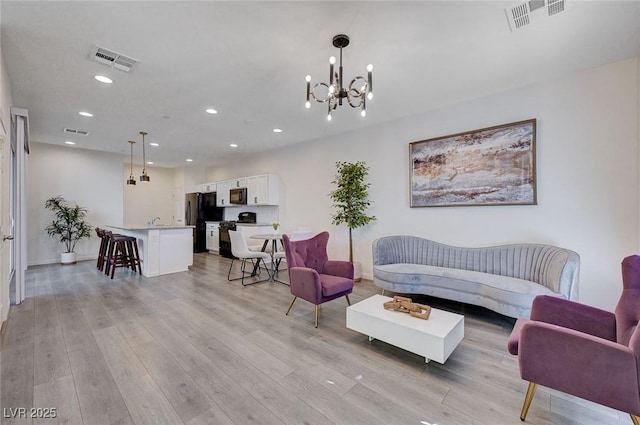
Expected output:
(312, 275)
(584, 351)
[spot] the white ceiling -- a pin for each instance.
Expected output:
(249, 59)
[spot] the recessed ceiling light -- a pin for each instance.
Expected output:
(211, 111)
(150, 162)
(69, 142)
(103, 79)
(233, 145)
(277, 130)
(85, 114)
(154, 144)
(189, 160)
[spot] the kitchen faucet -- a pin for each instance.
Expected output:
(153, 221)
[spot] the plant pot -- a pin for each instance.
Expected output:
(67, 258)
(357, 271)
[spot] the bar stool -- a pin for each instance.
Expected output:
(122, 251)
(133, 253)
(102, 251)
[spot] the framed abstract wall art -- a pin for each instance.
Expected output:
(489, 166)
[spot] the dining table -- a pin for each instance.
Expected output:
(274, 238)
(266, 237)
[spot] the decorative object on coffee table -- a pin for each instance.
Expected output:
(406, 305)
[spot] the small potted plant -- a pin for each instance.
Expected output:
(68, 225)
(350, 200)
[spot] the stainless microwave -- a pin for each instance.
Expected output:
(238, 196)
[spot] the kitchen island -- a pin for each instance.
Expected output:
(163, 248)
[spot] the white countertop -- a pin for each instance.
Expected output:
(156, 227)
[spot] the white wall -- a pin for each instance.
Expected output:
(587, 175)
(145, 201)
(89, 178)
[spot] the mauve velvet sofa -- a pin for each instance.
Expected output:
(503, 278)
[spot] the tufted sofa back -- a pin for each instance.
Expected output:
(550, 266)
(311, 253)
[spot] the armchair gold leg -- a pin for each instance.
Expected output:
(527, 400)
(635, 419)
(348, 300)
(317, 308)
(291, 305)
(382, 292)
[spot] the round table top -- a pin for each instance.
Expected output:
(267, 236)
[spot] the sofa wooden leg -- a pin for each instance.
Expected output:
(348, 300)
(635, 419)
(531, 390)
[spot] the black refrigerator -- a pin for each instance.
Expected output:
(200, 208)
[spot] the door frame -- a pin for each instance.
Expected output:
(20, 133)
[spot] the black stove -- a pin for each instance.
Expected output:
(225, 240)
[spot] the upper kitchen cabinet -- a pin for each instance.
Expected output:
(222, 193)
(238, 183)
(263, 189)
(208, 187)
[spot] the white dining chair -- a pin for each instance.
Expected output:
(241, 251)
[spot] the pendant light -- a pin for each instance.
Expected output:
(131, 181)
(144, 178)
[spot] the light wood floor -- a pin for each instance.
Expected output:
(192, 348)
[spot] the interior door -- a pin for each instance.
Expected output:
(7, 245)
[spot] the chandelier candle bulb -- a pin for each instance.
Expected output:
(369, 82)
(332, 60)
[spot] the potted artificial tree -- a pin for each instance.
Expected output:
(68, 225)
(350, 201)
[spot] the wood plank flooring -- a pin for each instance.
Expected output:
(192, 348)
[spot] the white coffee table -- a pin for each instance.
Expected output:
(435, 338)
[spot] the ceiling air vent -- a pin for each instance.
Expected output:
(72, 131)
(523, 14)
(112, 59)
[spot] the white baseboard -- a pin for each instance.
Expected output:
(57, 261)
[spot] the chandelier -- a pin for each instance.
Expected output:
(356, 94)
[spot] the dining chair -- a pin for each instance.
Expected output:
(312, 276)
(241, 251)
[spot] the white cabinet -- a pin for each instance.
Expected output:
(208, 187)
(238, 183)
(263, 189)
(222, 196)
(213, 237)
